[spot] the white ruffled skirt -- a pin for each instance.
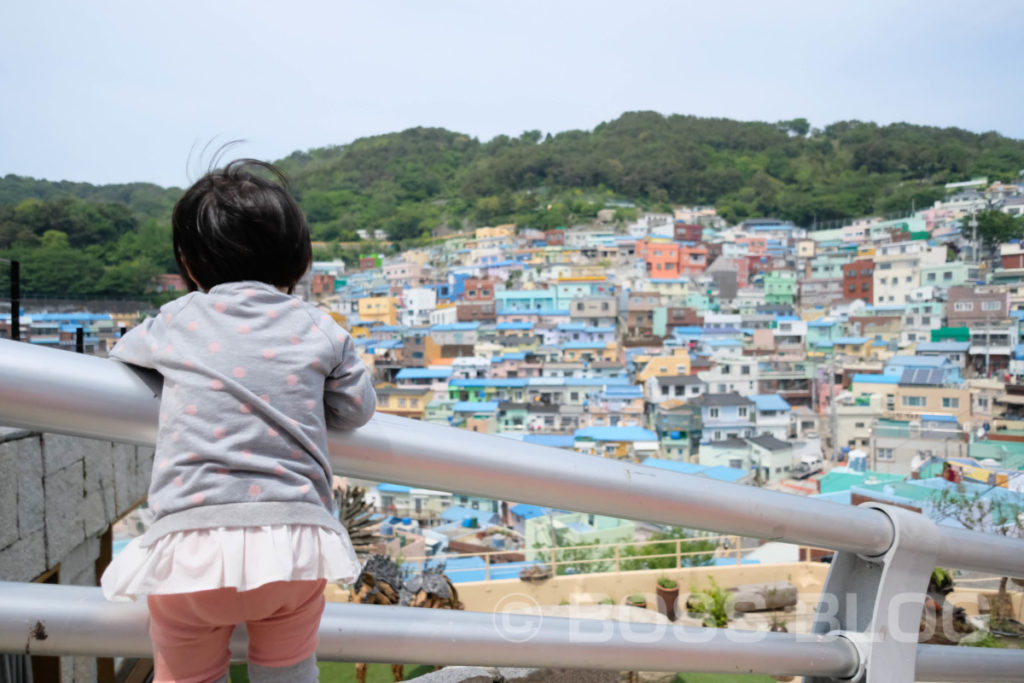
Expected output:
(242, 558)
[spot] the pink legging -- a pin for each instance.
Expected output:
(191, 631)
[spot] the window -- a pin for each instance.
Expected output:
(579, 307)
(983, 403)
(990, 305)
(865, 286)
(401, 403)
(853, 287)
(574, 396)
(858, 425)
(963, 306)
(907, 279)
(722, 389)
(950, 403)
(885, 454)
(742, 411)
(713, 412)
(882, 280)
(930, 277)
(926, 320)
(947, 276)
(914, 401)
(745, 370)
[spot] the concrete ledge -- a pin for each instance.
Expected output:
(476, 674)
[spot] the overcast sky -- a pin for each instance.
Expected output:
(112, 91)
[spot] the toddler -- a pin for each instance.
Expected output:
(245, 528)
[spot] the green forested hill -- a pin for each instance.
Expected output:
(412, 182)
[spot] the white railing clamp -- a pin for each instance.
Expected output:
(876, 601)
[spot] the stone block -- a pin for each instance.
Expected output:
(125, 477)
(758, 597)
(461, 674)
(25, 559)
(80, 561)
(558, 676)
(31, 502)
(64, 526)
(60, 450)
(8, 494)
(99, 505)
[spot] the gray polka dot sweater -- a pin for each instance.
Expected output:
(252, 379)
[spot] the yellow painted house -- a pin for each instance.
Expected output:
(380, 309)
(579, 352)
(497, 232)
(407, 402)
(664, 366)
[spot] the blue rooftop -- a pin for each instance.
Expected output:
(852, 340)
(552, 440)
(616, 434)
(423, 373)
(583, 345)
(515, 326)
(938, 418)
(943, 347)
(455, 327)
(877, 379)
(770, 402)
(488, 382)
(918, 361)
(476, 407)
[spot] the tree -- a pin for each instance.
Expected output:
(645, 556)
(996, 227)
(995, 513)
(580, 558)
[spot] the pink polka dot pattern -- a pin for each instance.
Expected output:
(296, 303)
(271, 431)
(296, 454)
(220, 306)
(254, 491)
(315, 363)
(278, 470)
(292, 380)
(323, 499)
(333, 384)
(310, 404)
(164, 463)
(216, 385)
(214, 347)
(238, 372)
(265, 398)
(193, 457)
(245, 408)
(193, 326)
(357, 401)
(315, 476)
(304, 488)
(219, 433)
(168, 349)
(341, 338)
(153, 347)
(244, 329)
(142, 332)
(294, 339)
(246, 453)
(293, 422)
(198, 498)
(178, 482)
(189, 364)
(271, 314)
(191, 410)
(268, 353)
(223, 470)
(167, 317)
(249, 292)
(175, 436)
(314, 329)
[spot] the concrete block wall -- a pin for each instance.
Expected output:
(58, 496)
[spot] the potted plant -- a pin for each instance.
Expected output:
(637, 600)
(712, 605)
(668, 594)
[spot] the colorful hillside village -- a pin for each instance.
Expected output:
(873, 359)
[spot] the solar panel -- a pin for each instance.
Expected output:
(923, 376)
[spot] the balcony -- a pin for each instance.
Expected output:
(884, 557)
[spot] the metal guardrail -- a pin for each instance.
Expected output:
(885, 554)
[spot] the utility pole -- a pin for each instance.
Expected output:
(15, 299)
(833, 419)
(974, 237)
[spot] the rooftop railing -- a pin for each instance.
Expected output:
(866, 626)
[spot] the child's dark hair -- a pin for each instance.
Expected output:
(235, 224)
